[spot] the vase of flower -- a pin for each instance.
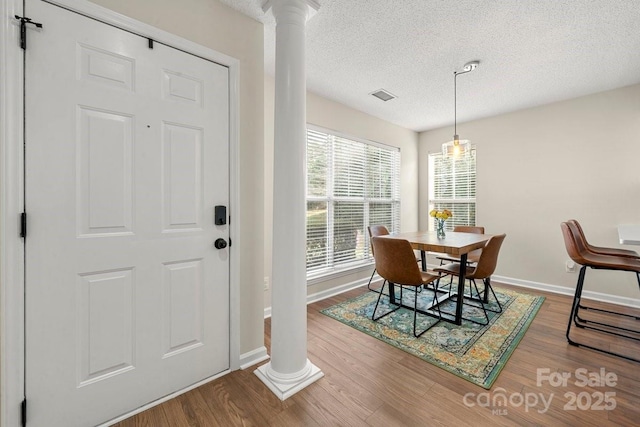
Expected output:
(440, 228)
(440, 217)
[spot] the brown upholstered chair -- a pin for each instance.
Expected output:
(396, 264)
(600, 250)
(579, 251)
(482, 270)
(375, 230)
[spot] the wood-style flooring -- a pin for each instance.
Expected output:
(370, 383)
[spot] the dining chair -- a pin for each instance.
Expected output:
(579, 251)
(396, 264)
(482, 270)
(375, 230)
(378, 230)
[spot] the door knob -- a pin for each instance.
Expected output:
(220, 243)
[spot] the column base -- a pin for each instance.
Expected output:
(285, 386)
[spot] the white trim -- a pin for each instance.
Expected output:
(591, 295)
(163, 399)
(11, 186)
(103, 14)
(328, 293)
(563, 290)
(11, 203)
(234, 212)
(351, 137)
(528, 284)
(335, 273)
(253, 357)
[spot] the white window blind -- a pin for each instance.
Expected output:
(452, 185)
(351, 184)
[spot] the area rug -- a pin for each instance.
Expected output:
(471, 351)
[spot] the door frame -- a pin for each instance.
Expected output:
(12, 268)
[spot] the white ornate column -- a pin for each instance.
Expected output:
(289, 369)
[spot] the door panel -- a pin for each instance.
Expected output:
(127, 300)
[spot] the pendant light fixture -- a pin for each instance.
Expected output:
(458, 146)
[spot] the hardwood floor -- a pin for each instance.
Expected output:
(370, 383)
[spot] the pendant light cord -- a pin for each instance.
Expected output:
(455, 100)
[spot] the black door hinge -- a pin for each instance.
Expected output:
(24, 412)
(23, 29)
(23, 224)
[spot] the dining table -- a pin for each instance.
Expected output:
(456, 244)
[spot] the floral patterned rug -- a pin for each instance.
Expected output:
(474, 352)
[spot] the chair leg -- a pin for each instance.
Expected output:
(399, 304)
(575, 319)
(415, 312)
(487, 286)
(484, 309)
(483, 297)
(447, 286)
(482, 306)
(369, 284)
(479, 299)
(576, 301)
(370, 279)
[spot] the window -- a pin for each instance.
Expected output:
(351, 184)
(452, 185)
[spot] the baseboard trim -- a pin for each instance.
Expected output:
(253, 357)
(328, 293)
(591, 295)
(555, 289)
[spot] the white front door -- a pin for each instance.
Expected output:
(127, 299)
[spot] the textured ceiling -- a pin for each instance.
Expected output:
(531, 52)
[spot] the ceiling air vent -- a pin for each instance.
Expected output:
(383, 95)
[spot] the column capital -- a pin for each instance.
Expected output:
(312, 6)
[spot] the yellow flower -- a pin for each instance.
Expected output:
(443, 214)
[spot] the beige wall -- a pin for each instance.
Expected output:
(541, 166)
(220, 28)
(332, 115)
